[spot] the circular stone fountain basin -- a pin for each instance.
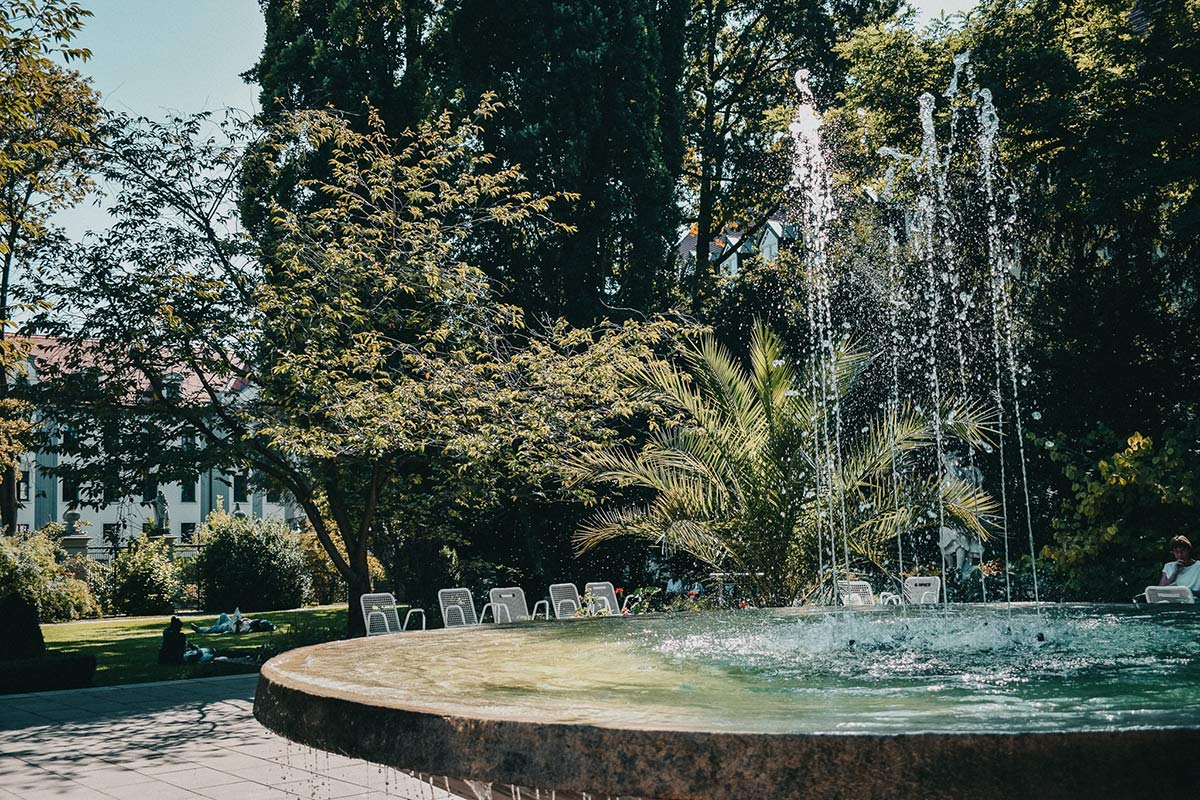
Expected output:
(970, 701)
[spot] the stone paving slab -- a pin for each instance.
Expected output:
(180, 740)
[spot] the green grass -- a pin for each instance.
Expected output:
(126, 649)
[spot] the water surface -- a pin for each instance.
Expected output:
(963, 669)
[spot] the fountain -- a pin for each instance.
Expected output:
(1060, 701)
(767, 704)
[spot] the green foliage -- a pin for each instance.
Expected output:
(1111, 531)
(144, 579)
(326, 584)
(93, 573)
(645, 598)
(322, 55)
(252, 564)
(592, 107)
(47, 116)
(30, 567)
(740, 481)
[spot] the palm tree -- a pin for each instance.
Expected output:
(753, 478)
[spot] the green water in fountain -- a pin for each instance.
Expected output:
(963, 670)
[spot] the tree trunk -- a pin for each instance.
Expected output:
(707, 188)
(358, 584)
(8, 488)
(357, 587)
(8, 501)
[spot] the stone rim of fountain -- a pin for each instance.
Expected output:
(669, 763)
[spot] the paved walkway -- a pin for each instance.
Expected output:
(166, 741)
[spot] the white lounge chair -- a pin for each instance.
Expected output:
(1169, 594)
(564, 599)
(922, 591)
(458, 608)
(381, 616)
(604, 598)
(855, 593)
(510, 604)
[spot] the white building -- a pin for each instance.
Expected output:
(43, 497)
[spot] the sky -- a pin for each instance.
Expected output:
(150, 57)
(154, 57)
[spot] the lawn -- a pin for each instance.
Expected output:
(126, 649)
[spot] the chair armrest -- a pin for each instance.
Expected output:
(483, 612)
(408, 616)
(628, 599)
(544, 605)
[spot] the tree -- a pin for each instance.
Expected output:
(592, 107)
(364, 353)
(327, 54)
(1096, 110)
(746, 482)
(742, 55)
(47, 115)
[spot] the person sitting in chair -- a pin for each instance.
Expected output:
(1184, 570)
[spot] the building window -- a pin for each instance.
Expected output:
(187, 531)
(23, 486)
(70, 489)
(112, 534)
(147, 528)
(187, 492)
(149, 490)
(22, 527)
(274, 495)
(241, 488)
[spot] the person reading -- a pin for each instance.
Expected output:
(1184, 570)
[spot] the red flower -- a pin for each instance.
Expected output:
(619, 590)
(693, 593)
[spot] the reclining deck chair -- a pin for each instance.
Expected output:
(564, 599)
(1169, 594)
(922, 591)
(458, 608)
(381, 616)
(855, 593)
(509, 603)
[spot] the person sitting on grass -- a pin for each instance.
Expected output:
(1184, 570)
(174, 644)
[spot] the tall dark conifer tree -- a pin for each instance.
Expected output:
(337, 54)
(593, 109)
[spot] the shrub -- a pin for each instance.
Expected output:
(19, 629)
(327, 584)
(249, 564)
(1111, 531)
(144, 579)
(30, 568)
(45, 673)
